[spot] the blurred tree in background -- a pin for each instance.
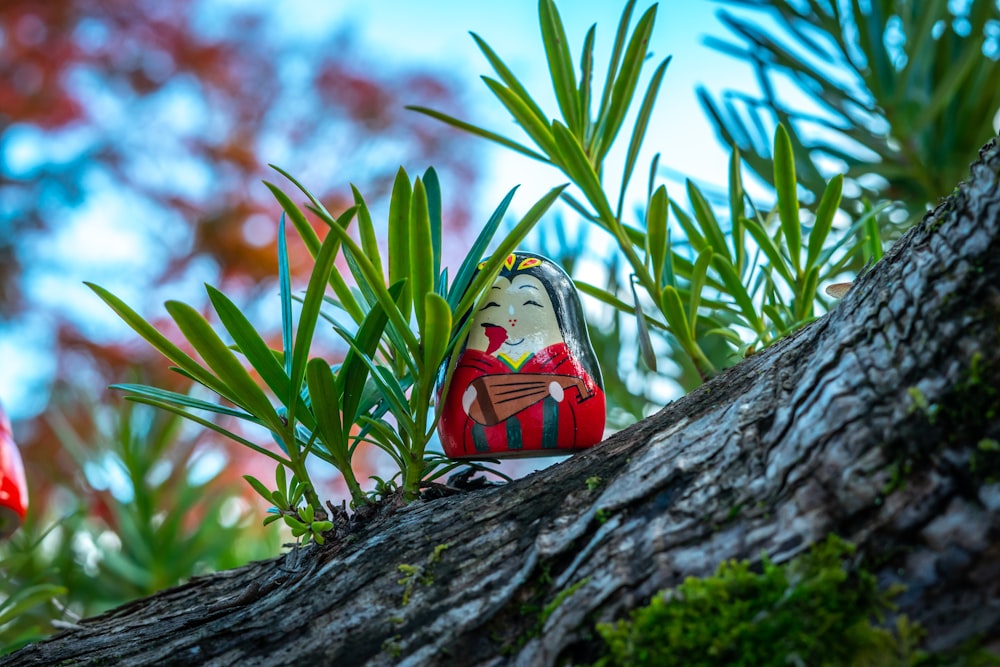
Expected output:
(133, 141)
(897, 95)
(150, 506)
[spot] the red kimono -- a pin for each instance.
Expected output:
(539, 406)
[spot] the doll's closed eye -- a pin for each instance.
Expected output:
(529, 302)
(491, 304)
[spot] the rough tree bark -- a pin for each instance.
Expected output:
(862, 424)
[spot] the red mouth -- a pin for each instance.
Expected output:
(496, 335)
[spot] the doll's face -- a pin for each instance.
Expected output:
(515, 318)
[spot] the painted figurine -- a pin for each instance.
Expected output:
(527, 382)
(13, 488)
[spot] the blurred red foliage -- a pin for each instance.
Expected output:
(178, 107)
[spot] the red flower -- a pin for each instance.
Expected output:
(13, 488)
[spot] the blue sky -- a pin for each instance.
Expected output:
(439, 33)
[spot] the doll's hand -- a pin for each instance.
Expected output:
(556, 391)
(468, 398)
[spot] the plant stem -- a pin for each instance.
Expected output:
(704, 366)
(414, 469)
(358, 497)
(297, 465)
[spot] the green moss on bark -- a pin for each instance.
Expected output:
(817, 609)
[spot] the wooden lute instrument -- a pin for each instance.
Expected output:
(499, 397)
